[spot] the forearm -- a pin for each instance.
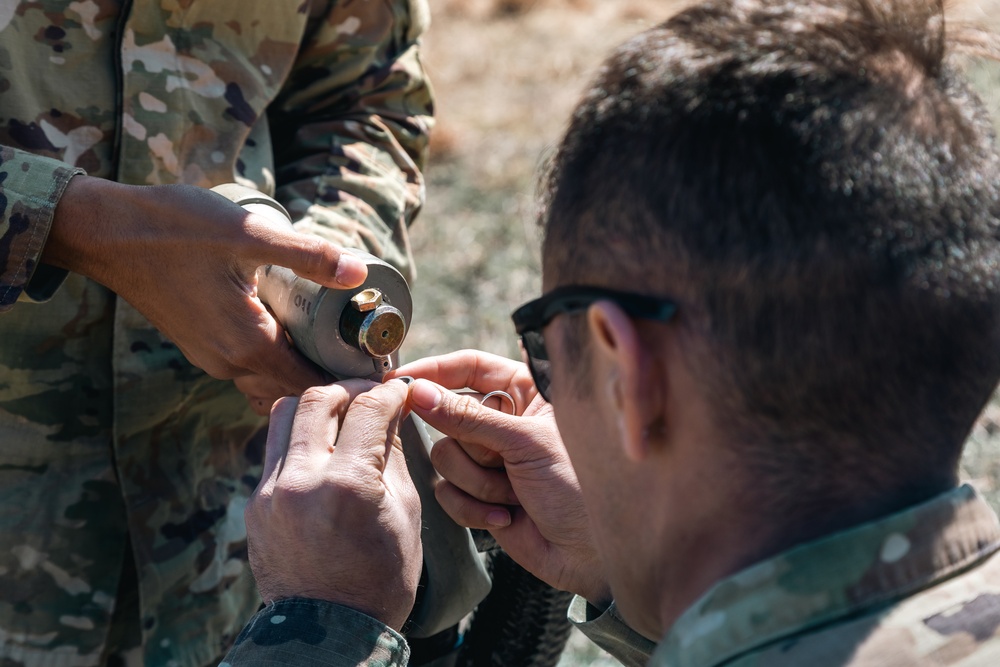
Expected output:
(31, 187)
(309, 633)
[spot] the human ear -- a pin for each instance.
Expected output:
(634, 393)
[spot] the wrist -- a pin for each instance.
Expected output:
(80, 239)
(389, 607)
(295, 626)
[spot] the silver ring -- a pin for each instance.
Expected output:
(501, 394)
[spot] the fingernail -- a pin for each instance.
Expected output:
(498, 518)
(425, 394)
(351, 271)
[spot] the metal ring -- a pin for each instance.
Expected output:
(501, 394)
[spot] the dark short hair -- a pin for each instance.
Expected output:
(817, 186)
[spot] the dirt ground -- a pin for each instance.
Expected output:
(507, 73)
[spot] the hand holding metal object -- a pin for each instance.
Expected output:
(356, 333)
(352, 333)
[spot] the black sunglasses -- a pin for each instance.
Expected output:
(531, 318)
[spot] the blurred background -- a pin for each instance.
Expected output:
(507, 74)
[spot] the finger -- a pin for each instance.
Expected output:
(279, 434)
(258, 385)
(261, 392)
(371, 427)
(310, 257)
(277, 361)
(465, 419)
(483, 456)
(476, 370)
(317, 419)
(488, 485)
(468, 511)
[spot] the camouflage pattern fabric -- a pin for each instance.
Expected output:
(124, 470)
(313, 633)
(980, 464)
(921, 587)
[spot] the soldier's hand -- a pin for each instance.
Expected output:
(335, 516)
(507, 473)
(186, 259)
(262, 391)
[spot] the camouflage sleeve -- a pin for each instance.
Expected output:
(351, 126)
(310, 633)
(609, 631)
(30, 187)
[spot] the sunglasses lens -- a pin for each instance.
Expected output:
(538, 361)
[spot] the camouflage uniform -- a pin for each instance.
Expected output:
(921, 587)
(124, 470)
(313, 633)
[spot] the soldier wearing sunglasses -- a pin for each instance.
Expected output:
(770, 317)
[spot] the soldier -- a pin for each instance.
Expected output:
(128, 297)
(771, 317)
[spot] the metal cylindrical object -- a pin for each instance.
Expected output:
(377, 332)
(326, 325)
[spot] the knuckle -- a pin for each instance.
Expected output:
(466, 415)
(440, 455)
(487, 458)
(319, 257)
(315, 394)
(446, 458)
(457, 504)
(468, 511)
(318, 396)
(372, 402)
(369, 400)
(293, 495)
(488, 490)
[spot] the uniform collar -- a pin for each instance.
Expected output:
(836, 576)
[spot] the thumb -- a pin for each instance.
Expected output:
(463, 418)
(313, 258)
